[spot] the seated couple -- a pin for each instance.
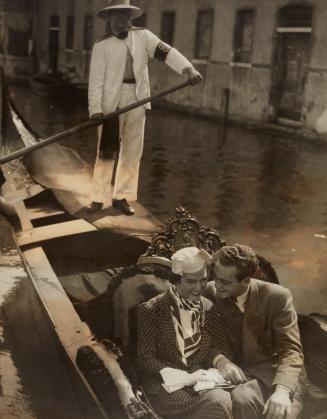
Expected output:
(238, 358)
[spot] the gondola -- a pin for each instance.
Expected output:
(91, 271)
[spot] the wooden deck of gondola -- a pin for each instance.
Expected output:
(40, 234)
(57, 222)
(42, 222)
(70, 330)
(143, 223)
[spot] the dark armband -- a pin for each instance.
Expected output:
(161, 51)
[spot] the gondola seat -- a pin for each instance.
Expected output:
(112, 315)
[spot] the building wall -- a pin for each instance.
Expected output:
(249, 85)
(16, 22)
(316, 97)
(74, 60)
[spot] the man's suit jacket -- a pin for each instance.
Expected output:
(108, 65)
(272, 349)
(157, 345)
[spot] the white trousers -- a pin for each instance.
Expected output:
(131, 132)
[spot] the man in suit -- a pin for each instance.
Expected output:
(261, 327)
(118, 78)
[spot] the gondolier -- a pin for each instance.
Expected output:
(119, 77)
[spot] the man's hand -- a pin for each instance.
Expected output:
(278, 406)
(97, 116)
(193, 76)
(230, 371)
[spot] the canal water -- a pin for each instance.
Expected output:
(255, 188)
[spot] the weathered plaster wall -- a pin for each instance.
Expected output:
(43, 11)
(250, 86)
(316, 86)
(19, 19)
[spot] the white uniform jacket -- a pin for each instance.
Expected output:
(108, 65)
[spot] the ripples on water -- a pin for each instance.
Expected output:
(14, 399)
(257, 189)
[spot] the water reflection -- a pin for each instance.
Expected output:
(34, 383)
(14, 398)
(258, 189)
(278, 176)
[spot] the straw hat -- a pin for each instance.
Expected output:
(119, 5)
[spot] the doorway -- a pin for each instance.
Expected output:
(292, 62)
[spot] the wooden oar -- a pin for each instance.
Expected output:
(88, 124)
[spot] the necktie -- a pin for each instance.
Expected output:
(234, 306)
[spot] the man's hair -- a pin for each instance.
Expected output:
(242, 257)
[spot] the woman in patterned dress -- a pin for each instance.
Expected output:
(182, 330)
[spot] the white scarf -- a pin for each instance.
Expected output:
(187, 317)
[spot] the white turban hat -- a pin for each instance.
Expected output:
(189, 260)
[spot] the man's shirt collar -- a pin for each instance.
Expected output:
(241, 299)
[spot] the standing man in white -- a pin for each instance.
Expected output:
(119, 77)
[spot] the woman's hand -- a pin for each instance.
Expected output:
(204, 385)
(205, 375)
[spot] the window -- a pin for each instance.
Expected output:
(168, 27)
(140, 21)
(70, 32)
(88, 33)
(204, 29)
(16, 5)
(54, 22)
(243, 38)
(18, 42)
(1, 35)
(295, 16)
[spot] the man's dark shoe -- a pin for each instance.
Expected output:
(95, 206)
(123, 206)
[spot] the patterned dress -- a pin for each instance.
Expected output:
(157, 348)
